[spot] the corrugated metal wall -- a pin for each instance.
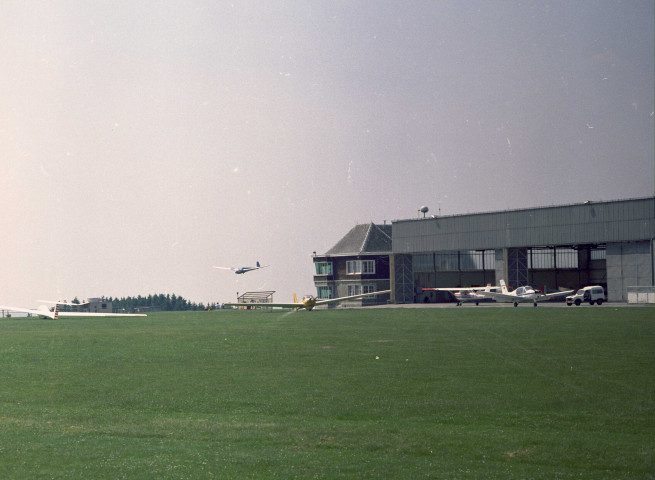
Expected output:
(628, 264)
(603, 222)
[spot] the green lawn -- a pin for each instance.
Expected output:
(552, 393)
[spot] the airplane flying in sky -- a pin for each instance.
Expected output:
(308, 302)
(45, 312)
(241, 270)
(522, 295)
(463, 294)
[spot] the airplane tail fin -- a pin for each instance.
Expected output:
(295, 300)
(503, 287)
(258, 265)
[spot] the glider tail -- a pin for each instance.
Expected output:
(503, 287)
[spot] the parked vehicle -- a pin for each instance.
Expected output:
(592, 294)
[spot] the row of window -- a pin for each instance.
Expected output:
(536, 258)
(455, 261)
(353, 267)
(359, 289)
(326, 292)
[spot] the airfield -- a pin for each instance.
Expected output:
(457, 392)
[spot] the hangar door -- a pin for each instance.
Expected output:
(466, 268)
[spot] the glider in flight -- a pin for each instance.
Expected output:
(241, 270)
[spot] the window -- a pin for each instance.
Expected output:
(354, 290)
(551, 258)
(446, 262)
(368, 266)
(359, 289)
(324, 292)
(359, 267)
(598, 253)
(566, 257)
(323, 268)
(465, 260)
(541, 259)
(423, 262)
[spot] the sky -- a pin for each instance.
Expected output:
(142, 143)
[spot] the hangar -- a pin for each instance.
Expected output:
(607, 243)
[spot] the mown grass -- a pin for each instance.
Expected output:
(364, 393)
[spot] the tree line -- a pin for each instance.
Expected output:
(159, 301)
(164, 302)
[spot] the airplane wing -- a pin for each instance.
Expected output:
(100, 314)
(351, 297)
(439, 289)
(250, 269)
(44, 312)
(300, 305)
(503, 297)
(548, 296)
(226, 268)
(58, 302)
(278, 305)
(458, 289)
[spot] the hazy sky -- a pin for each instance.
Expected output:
(143, 142)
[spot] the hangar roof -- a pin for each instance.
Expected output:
(585, 223)
(363, 239)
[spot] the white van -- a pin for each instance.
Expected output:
(592, 294)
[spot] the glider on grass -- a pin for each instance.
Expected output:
(54, 313)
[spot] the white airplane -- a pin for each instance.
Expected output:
(463, 294)
(45, 312)
(241, 270)
(308, 302)
(522, 295)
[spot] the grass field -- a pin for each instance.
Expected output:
(551, 393)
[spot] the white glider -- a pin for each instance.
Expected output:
(45, 312)
(241, 270)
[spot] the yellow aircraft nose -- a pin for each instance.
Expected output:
(309, 303)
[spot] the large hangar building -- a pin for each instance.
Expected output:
(606, 243)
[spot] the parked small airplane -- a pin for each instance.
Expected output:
(522, 295)
(241, 270)
(45, 312)
(308, 302)
(463, 294)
